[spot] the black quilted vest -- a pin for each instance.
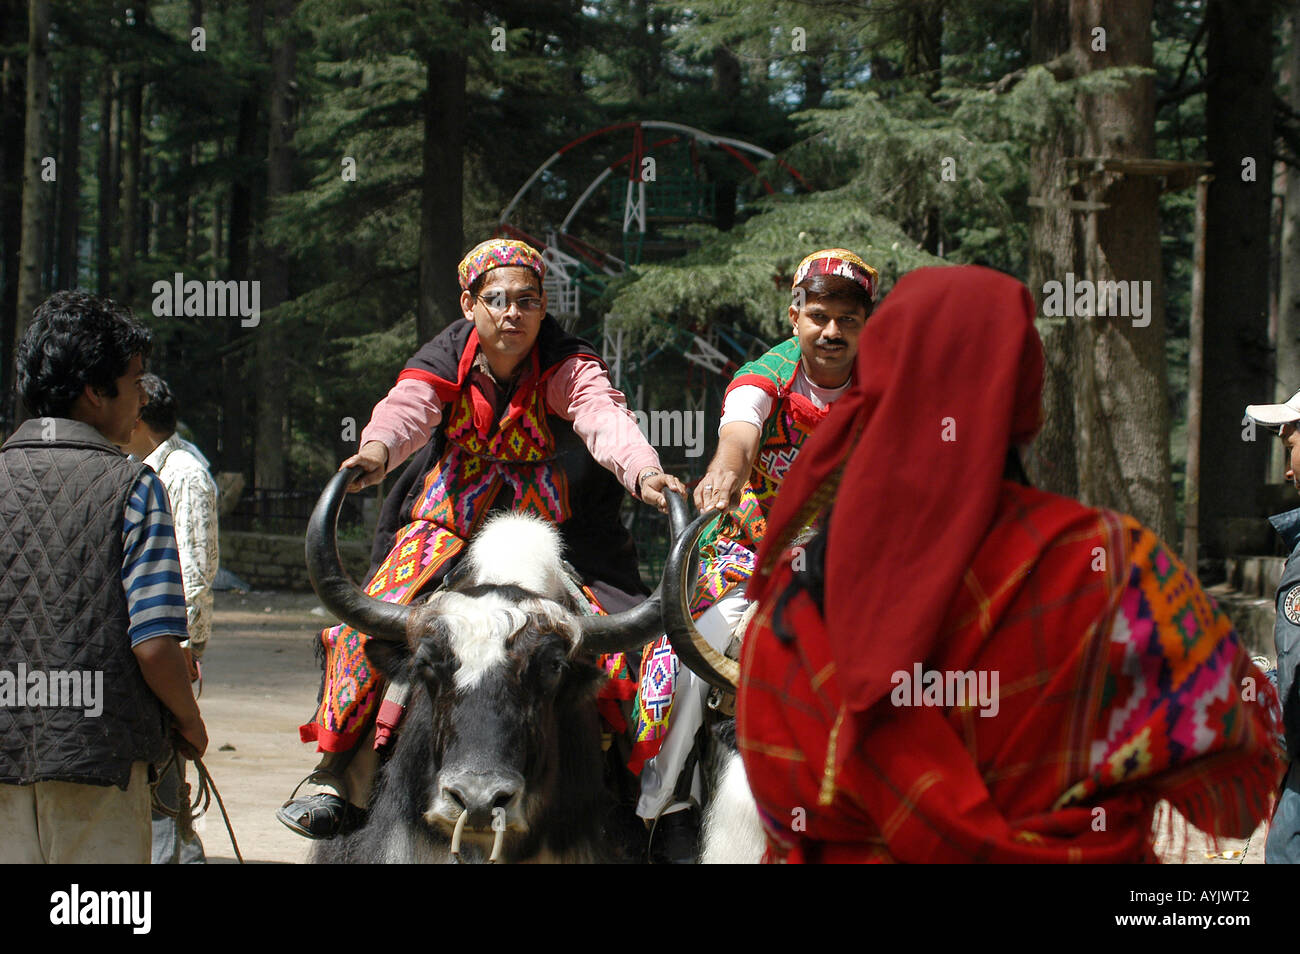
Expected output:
(63, 608)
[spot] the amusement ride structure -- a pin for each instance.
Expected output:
(660, 184)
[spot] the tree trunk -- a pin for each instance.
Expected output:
(924, 51)
(190, 233)
(269, 446)
(1288, 306)
(34, 190)
(1121, 391)
(1239, 112)
(107, 173)
(70, 179)
(442, 238)
(132, 120)
(1055, 248)
(238, 364)
(13, 99)
(814, 85)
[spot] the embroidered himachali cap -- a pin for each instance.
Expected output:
(842, 263)
(1275, 415)
(496, 253)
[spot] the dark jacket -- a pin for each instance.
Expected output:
(63, 493)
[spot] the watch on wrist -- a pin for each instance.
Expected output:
(648, 472)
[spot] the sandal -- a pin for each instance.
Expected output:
(322, 815)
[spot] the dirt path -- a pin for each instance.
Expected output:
(260, 683)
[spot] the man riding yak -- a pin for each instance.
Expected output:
(511, 413)
(771, 407)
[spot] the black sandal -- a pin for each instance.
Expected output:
(322, 815)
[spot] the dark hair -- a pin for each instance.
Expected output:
(476, 285)
(76, 339)
(160, 412)
(835, 288)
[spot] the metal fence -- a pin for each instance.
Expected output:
(286, 511)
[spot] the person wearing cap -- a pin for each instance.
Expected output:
(771, 407)
(1283, 844)
(504, 410)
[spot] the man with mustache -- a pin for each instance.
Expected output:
(772, 405)
(1283, 845)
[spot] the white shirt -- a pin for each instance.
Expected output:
(751, 404)
(193, 496)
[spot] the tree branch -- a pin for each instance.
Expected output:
(1178, 95)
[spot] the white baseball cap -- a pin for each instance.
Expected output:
(1275, 415)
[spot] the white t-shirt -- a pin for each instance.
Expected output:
(752, 404)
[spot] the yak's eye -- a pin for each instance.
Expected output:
(551, 667)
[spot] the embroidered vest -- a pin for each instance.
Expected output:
(728, 546)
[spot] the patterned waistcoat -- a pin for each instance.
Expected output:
(729, 545)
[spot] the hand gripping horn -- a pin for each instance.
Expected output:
(341, 596)
(687, 641)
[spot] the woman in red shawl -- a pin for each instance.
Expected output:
(1116, 680)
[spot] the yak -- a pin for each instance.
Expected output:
(499, 753)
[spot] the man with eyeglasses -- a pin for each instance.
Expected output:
(1283, 844)
(503, 411)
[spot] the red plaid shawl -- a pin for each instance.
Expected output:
(1117, 689)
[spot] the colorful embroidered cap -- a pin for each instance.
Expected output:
(495, 253)
(842, 263)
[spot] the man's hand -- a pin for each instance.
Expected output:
(720, 487)
(655, 486)
(191, 664)
(729, 470)
(373, 457)
(191, 738)
(162, 663)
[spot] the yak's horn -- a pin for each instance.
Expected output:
(687, 641)
(342, 597)
(643, 623)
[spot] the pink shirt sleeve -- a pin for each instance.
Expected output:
(580, 391)
(404, 420)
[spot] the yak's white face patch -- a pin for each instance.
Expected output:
(479, 627)
(515, 550)
(477, 630)
(518, 549)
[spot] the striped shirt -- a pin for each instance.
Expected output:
(151, 568)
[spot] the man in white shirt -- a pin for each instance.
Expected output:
(771, 406)
(193, 496)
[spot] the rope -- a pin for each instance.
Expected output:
(207, 789)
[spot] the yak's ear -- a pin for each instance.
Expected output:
(582, 680)
(391, 659)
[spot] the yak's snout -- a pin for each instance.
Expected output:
(482, 796)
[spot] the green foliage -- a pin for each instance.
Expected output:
(866, 103)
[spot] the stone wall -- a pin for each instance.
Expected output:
(270, 561)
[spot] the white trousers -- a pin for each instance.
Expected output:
(659, 775)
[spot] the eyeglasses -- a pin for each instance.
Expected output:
(499, 304)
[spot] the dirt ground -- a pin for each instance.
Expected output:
(260, 683)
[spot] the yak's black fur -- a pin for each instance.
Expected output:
(540, 705)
